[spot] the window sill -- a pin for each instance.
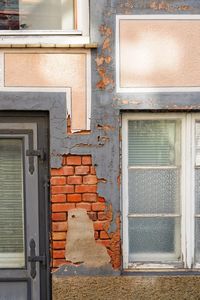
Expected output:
(161, 272)
(50, 38)
(48, 45)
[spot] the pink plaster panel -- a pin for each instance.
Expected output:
(51, 70)
(159, 53)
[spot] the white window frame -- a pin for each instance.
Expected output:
(76, 36)
(187, 201)
(128, 90)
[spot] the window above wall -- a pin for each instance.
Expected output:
(161, 194)
(44, 17)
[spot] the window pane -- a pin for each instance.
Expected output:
(154, 239)
(11, 204)
(152, 143)
(37, 15)
(9, 17)
(154, 191)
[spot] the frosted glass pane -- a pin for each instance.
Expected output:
(153, 142)
(153, 191)
(197, 240)
(154, 239)
(11, 204)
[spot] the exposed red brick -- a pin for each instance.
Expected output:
(89, 179)
(86, 160)
(62, 189)
(58, 262)
(58, 198)
(62, 207)
(58, 216)
(59, 236)
(101, 199)
(98, 206)
(102, 216)
(101, 225)
(92, 215)
(89, 197)
(58, 244)
(105, 243)
(59, 226)
(58, 180)
(115, 246)
(59, 254)
(98, 225)
(96, 235)
(86, 206)
(57, 172)
(74, 180)
(74, 160)
(85, 188)
(92, 170)
(68, 170)
(104, 235)
(74, 198)
(82, 170)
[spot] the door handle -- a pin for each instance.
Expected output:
(33, 258)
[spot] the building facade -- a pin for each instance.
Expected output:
(99, 149)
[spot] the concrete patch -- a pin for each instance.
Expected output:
(81, 247)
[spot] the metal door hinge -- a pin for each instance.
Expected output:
(33, 258)
(31, 153)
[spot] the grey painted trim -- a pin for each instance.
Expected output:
(54, 103)
(160, 101)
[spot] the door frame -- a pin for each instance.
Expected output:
(41, 119)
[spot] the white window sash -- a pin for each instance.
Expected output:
(187, 188)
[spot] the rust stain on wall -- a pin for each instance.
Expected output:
(104, 58)
(163, 5)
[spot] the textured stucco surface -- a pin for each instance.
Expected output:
(126, 288)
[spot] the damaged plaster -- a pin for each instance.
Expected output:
(81, 247)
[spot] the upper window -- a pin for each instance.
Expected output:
(161, 190)
(43, 15)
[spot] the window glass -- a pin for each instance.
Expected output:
(154, 190)
(37, 15)
(11, 204)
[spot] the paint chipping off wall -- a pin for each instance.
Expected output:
(81, 219)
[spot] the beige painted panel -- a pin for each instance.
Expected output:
(159, 53)
(51, 70)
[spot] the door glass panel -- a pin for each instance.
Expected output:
(11, 204)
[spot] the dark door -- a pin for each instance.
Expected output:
(24, 245)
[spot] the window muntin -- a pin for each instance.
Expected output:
(178, 211)
(38, 15)
(12, 252)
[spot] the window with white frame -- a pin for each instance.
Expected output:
(161, 190)
(44, 15)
